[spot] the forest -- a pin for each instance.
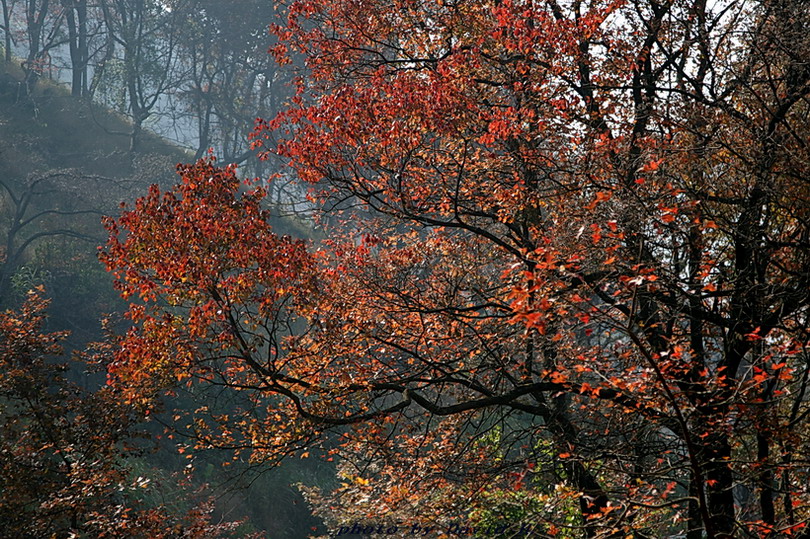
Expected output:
(414, 268)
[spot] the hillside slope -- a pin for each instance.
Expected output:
(64, 163)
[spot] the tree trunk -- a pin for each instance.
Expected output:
(694, 524)
(720, 483)
(7, 26)
(76, 16)
(766, 501)
(135, 137)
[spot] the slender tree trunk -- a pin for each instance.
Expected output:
(98, 71)
(84, 53)
(7, 26)
(73, 43)
(135, 137)
(204, 129)
(766, 499)
(76, 17)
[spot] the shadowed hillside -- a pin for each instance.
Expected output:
(64, 163)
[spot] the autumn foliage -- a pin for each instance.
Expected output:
(65, 452)
(566, 275)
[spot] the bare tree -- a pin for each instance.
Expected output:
(44, 32)
(146, 32)
(62, 203)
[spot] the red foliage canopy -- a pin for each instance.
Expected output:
(568, 242)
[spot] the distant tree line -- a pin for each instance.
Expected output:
(198, 69)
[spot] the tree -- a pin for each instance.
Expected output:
(47, 205)
(63, 450)
(6, 32)
(76, 19)
(231, 78)
(43, 31)
(568, 256)
(146, 31)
